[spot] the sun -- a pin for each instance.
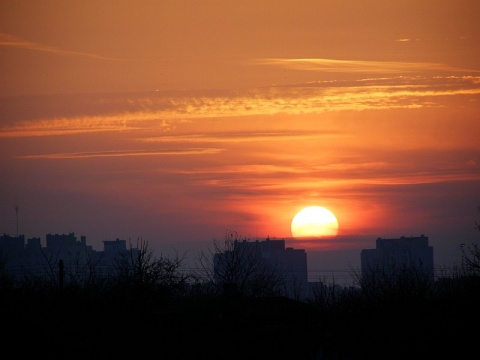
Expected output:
(314, 222)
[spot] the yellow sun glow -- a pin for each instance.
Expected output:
(314, 221)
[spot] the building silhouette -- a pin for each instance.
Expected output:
(263, 263)
(399, 256)
(69, 257)
(79, 261)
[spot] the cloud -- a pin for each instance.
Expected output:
(241, 137)
(355, 66)
(105, 154)
(164, 112)
(7, 40)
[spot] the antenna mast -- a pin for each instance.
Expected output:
(16, 215)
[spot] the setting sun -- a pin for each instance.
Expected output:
(314, 221)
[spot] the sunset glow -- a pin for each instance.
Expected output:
(175, 120)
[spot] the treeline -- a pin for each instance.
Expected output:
(150, 307)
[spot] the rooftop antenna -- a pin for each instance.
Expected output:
(16, 216)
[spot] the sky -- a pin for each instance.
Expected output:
(178, 122)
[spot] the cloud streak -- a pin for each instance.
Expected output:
(357, 66)
(113, 154)
(243, 137)
(7, 40)
(162, 111)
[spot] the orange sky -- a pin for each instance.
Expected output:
(176, 120)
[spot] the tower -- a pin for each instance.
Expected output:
(16, 216)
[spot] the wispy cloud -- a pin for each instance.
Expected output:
(85, 124)
(64, 126)
(107, 154)
(356, 66)
(163, 113)
(7, 40)
(242, 137)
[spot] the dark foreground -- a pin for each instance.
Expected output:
(71, 324)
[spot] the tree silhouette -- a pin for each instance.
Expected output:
(471, 255)
(143, 277)
(238, 269)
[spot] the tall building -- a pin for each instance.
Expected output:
(393, 257)
(11, 252)
(252, 262)
(79, 260)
